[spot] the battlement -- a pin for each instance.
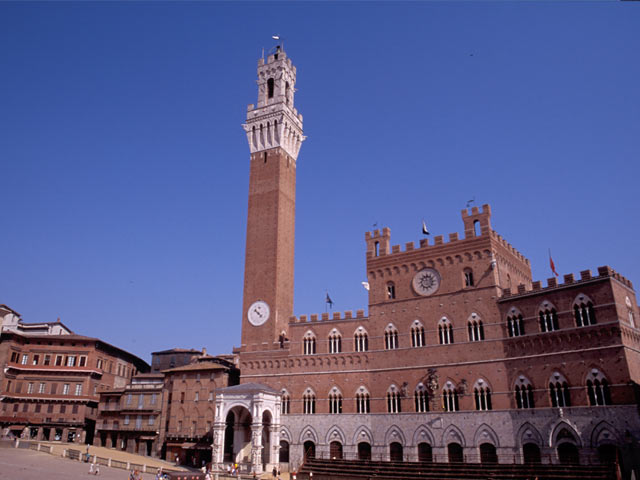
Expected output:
(569, 279)
(279, 55)
(324, 317)
(509, 247)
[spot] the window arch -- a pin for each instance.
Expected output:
(394, 402)
(583, 311)
(309, 343)
(391, 291)
(482, 395)
(421, 397)
(475, 328)
(417, 334)
(335, 341)
(363, 404)
(270, 88)
(390, 337)
(450, 398)
(548, 318)
(559, 391)
(515, 323)
(598, 388)
(524, 393)
(361, 340)
(445, 331)
(467, 275)
(335, 401)
(309, 402)
(285, 405)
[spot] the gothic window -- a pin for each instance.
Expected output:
(515, 323)
(583, 311)
(421, 399)
(548, 318)
(270, 87)
(309, 402)
(559, 391)
(363, 401)
(394, 403)
(524, 393)
(361, 340)
(468, 277)
(450, 398)
(632, 320)
(287, 92)
(482, 395)
(391, 291)
(335, 341)
(309, 343)
(417, 334)
(390, 337)
(335, 401)
(445, 331)
(598, 389)
(475, 328)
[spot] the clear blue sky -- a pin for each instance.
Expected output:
(125, 169)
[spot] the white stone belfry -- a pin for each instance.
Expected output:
(274, 122)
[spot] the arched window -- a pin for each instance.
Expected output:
(524, 393)
(559, 391)
(309, 402)
(475, 328)
(482, 395)
(361, 340)
(335, 401)
(548, 318)
(394, 402)
(445, 331)
(450, 398)
(362, 401)
(335, 341)
(632, 319)
(287, 93)
(390, 337)
(417, 334)
(286, 403)
(270, 87)
(598, 389)
(468, 277)
(421, 399)
(583, 311)
(309, 343)
(391, 291)
(515, 323)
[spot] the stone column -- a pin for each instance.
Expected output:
(217, 448)
(274, 440)
(65, 434)
(256, 448)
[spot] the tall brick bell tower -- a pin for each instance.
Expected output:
(274, 132)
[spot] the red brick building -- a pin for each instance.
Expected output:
(461, 355)
(50, 378)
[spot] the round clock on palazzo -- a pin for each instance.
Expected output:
(258, 313)
(426, 282)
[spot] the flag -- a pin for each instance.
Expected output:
(328, 300)
(425, 230)
(366, 285)
(552, 265)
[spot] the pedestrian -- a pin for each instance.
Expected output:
(97, 470)
(91, 468)
(274, 472)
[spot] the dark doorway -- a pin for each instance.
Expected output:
(364, 451)
(425, 453)
(284, 451)
(531, 453)
(335, 451)
(90, 428)
(228, 438)
(309, 449)
(568, 454)
(608, 454)
(488, 453)
(454, 451)
(395, 452)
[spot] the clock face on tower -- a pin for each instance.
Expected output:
(258, 313)
(426, 282)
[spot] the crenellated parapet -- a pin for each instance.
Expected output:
(325, 317)
(568, 280)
